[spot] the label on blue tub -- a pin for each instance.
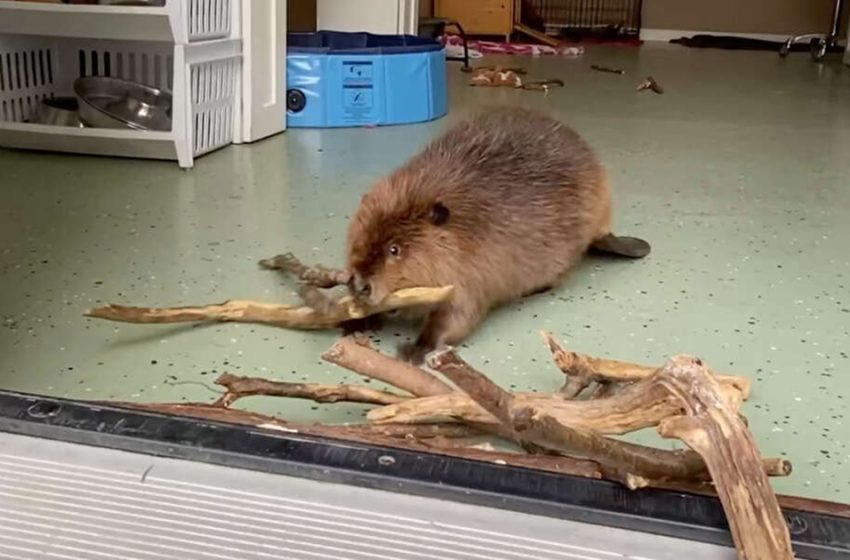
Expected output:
(357, 70)
(358, 97)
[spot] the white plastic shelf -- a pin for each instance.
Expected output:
(179, 21)
(204, 79)
(99, 141)
(224, 61)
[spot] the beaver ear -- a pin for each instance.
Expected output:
(439, 214)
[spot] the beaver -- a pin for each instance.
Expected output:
(501, 206)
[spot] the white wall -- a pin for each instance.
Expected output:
(389, 17)
(750, 17)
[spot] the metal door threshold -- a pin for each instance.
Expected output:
(83, 480)
(64, 500)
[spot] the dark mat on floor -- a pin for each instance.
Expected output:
(704, 41)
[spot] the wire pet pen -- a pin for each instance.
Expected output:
(622, 17)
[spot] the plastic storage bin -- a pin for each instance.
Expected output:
(339, 79)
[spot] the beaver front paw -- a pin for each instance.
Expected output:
(414, 352)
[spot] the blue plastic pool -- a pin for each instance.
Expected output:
(338, 79)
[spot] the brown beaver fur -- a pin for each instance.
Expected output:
(501, 206)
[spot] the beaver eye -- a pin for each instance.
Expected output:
(394, 250)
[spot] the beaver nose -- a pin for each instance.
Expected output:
(361, 286)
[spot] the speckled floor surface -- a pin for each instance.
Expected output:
(738, 175)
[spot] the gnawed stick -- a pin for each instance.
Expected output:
(345, 309)
(475, 384)
(238, 387)
(360, 357)
(582, 370)
(650, 83)
(318, 276)
(714, 430)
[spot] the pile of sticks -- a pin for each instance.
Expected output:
(447, 409)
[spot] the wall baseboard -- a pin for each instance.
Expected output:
(667, 34)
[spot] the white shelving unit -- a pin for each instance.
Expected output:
(195, 49)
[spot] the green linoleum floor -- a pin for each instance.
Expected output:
(739, 175)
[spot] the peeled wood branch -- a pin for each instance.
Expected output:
(475, 384)
(582, 370)
(344, 309)
(238, 387)
(360, 357)
(714, 430)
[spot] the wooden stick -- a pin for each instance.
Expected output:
(478, 386)
(318, 276)
(288, 316)
(581, 370)
(361, 358)
(436, 408)
(607, 69)
(651, 84)
(635, 466)
(422, 431)
(239, 387)
(714, 430)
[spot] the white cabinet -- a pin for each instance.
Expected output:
(264, 76)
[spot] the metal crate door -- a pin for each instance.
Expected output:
(589, 15)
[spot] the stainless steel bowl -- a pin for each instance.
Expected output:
(58, 111)
(114, 103)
